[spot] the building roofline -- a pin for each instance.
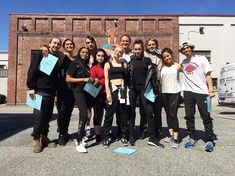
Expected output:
(120, 15)
(3, 51)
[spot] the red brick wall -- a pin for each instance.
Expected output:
(42, 27)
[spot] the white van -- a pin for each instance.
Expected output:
(226, 91)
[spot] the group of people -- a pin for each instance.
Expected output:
(125, 75)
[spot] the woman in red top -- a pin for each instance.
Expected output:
(97, 72)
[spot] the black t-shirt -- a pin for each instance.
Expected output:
(62, 73)
(78, 70)
(140, 69)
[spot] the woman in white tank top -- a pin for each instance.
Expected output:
(171, 94)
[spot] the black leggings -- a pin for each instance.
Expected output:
(64, 104)
(82, 100)
(99, 106)
(171, 104)
(138, 92)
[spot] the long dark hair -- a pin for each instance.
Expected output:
(78, 58)
(105, 57)
(168, 50)
(92, 39)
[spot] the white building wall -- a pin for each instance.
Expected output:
(218, 37)
(3, 80)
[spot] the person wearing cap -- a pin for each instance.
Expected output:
(197, 90)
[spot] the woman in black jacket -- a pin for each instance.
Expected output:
(141, 73)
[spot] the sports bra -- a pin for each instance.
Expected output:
(116, 72)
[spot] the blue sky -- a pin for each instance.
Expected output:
(211, 7)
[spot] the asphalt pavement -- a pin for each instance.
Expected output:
(17, 158)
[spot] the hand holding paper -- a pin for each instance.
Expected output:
(47, 64)
(36, 102)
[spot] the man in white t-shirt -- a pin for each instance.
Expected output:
(197, 88)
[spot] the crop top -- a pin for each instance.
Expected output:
(116, 72)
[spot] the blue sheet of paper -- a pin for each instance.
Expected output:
(35, 103)
(149, 95)
(126, 151)
(108, 46)
(208, 101)
(47, 64)
(91, 89)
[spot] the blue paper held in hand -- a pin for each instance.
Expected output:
(208, 102)
(126, 151)
(108, 46)
(149, 95)
(91, 89)
(34, 103)
(47, 64)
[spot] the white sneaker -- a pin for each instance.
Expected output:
(175, 145)
(81, 148)
(168, 139)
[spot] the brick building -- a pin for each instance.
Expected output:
(29, 32)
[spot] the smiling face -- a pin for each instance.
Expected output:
(69, 46)
(55, 45)
(151, 46)
(118, 52)
(84, 54)
(137, 50)
(167, 58)
(125, 42)
(187, 51)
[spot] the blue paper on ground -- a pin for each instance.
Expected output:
(149, 95)
(126, 151)
(208, 101)
(47, 64)
(34, 103)
(91, 89)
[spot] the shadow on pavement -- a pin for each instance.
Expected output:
(11, 124)
(227, 113)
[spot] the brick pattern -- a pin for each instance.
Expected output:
(40, 28)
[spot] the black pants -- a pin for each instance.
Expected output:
(157, 111)
(110, 111)
(138, 92)
(82, 100)
(64, 104)
(43, 117)
(99, 106)
(171, 104)
(190, 100)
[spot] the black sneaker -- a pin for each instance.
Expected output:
(63, 139)
(143, 135)
(98, 138)
(105, 143)
(124, 142)
(132, 141)
(155, 142)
